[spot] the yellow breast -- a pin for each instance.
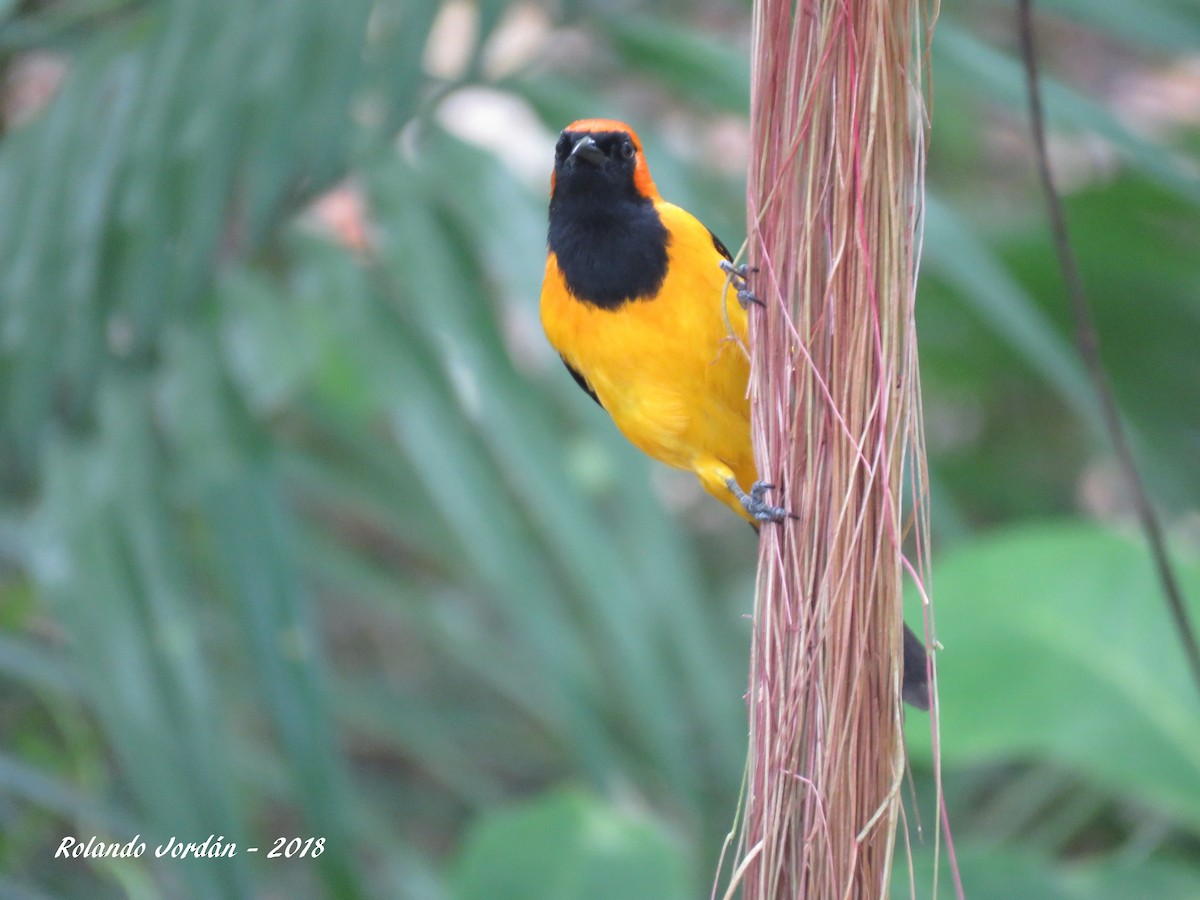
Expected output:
(670, 369)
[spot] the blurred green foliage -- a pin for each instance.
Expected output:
(304, 531)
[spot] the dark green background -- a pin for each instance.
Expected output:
(297, 540)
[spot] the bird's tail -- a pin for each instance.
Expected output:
(915, 688)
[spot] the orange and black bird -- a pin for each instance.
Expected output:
(635, 300)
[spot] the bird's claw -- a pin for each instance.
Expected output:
(746, 297)
(755, 504)
(737, 277)
(741, 271)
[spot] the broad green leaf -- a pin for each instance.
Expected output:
(568, 845)
(1058, 645)
(1029, 873)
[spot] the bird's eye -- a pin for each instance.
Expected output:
(627, 149)
(564, 146)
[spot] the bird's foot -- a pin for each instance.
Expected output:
(737, 277)
(743, 271)
(755, 504)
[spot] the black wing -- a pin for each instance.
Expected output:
(582, 382)
(721, 248)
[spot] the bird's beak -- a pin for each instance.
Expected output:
(587, 150)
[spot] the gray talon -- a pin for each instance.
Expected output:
(743, 271)
(758, 508)
(737, 276)
(746, 297)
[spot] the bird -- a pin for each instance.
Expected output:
(649, 315)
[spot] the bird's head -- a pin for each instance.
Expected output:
(601, 155)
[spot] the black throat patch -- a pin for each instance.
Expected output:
(610, 243)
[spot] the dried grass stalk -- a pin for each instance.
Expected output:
(834, 201)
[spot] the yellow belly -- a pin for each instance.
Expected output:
(671, 370)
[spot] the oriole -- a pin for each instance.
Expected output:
(635, 301)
